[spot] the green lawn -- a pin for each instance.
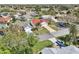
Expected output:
(40, 45)
(41, 31)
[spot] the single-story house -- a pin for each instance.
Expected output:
(35, 22)
(33, 13)
(46, 16)
(27, 28)
(4, 20)
(4, 14)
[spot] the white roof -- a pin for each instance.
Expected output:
(46, 16)
(27, 30)
(44, 24)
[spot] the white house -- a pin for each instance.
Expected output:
(28, 30)
(46, 16)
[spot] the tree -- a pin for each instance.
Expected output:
(14, 42)
(7, 10)
(76, 13)
(32, 40)
(21, 43)
(67, 39)
(14, 20)
(4, 49)
(72, 37)
(73, 33)
(62, 7)
(51, 11)
(36, 46)
(38, 10)
(68, 12)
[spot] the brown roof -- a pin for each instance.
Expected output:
(5, 19)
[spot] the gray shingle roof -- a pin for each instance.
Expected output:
(63, 50)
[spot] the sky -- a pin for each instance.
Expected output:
(39, 2)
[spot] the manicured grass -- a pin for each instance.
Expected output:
(41, 31)
(40, 45)
(36, 17)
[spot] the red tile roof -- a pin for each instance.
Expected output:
(35, 21)
(5, 19)
(43, 20)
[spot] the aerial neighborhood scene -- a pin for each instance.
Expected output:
(39, 29)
